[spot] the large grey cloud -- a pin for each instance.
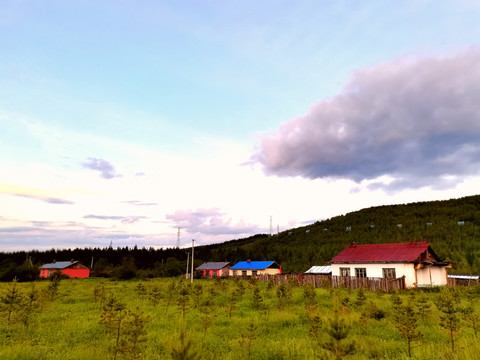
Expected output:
(106, 169)
(417, 120)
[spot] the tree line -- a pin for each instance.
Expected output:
(452, 227)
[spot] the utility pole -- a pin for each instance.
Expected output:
(178, 238)
(186, 272)
(270, 225)
(191, 278)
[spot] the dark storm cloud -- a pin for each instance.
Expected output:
(210, 222)
(106, 169)
(417, 121)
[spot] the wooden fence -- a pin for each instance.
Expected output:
(462, 282)
(337, 281)
(382, 284)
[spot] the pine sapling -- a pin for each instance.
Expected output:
(232, 302)
(310, 295)
(183, 349)
(29, 304)
(141, 290)
(284, 295)
(247, 338)
(257, 300)
(171, 293)
(406, 321)
(155, 295)
(112, 318)
(361, 297)
(338, 332)
(133, 332)
(448, 304)
(10, 301)
(183, 300)
(471, 316)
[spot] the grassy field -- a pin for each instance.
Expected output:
(232, 319)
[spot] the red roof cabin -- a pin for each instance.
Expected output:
(414, 260)
(71, 268)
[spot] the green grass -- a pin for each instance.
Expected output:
(69, 327)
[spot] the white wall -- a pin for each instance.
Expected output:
(432, 276)
(375, 270)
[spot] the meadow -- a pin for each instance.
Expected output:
(232, 319)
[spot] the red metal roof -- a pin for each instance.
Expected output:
(399, 252)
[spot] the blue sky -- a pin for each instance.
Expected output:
(123, 120)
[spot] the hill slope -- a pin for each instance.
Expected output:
(436, 222)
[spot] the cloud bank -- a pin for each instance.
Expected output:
(49, 200)
(106, 169)
(123, 219)
(416, 121)
(209, 222)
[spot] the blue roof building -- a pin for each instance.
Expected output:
(253, 268)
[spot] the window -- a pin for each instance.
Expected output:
(360, 272)
(254, 272)
(344, 271)
(389, 273)
(244, 272)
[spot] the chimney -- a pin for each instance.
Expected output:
(248, 261)
(71, 260)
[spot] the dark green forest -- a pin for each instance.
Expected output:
(452, 227)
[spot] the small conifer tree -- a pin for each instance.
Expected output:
(141, 290)
(112, 318)
(248, 337)
(155, 295)
(29, 304)
(338, 343)
(284, 295)
(183, 349)
(361, 297)
(448, 304)
(183, 300)
(257, 299)
(472, 317)
(171, 293)
(406, 321)
(10, 302)
(133, 332)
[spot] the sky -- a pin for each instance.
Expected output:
(153, 123)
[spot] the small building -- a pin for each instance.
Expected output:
(463, 279)
(70, 268)
(254, 268)
(212, 269)
(319, 270)
(417, 262)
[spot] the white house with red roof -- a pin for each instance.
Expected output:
(414, 260)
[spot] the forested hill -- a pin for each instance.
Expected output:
(452, 227)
